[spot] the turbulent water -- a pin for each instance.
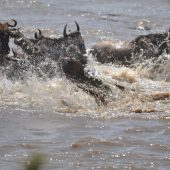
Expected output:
(59, 120)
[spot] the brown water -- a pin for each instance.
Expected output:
(60, 121)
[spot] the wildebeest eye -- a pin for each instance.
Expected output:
(82, 47)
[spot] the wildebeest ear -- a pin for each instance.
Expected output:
(39, 35)
(78, 27)
(64, 31)
(169, 32)
(15, 23)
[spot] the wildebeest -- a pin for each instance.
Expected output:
(73, 67)
(4, 37)
(4, 40)
(42, 47)
(151, 45)
(6, 25)
(68, 50)
(34, 54)
(56, 47)
(142, 47)
(112, 52)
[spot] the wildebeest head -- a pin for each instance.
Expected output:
(4, 37)
(151, 45)
(55, 47)
(6, 25)
(75, 38)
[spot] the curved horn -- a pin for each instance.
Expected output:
(64, 32)
(37, 36)
(15, 23)
(78, 27)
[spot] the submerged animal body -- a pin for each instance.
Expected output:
(109, 51)
(142, 47)
(151, 45)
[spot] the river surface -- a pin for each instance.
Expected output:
(65, 124)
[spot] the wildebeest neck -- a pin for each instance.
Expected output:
(4, 42)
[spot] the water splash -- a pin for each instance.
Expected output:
(146, 90)
(142, 97)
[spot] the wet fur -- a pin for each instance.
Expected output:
(142, 47)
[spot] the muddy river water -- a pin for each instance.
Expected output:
(65, 124)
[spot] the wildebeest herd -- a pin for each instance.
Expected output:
(46, 57)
